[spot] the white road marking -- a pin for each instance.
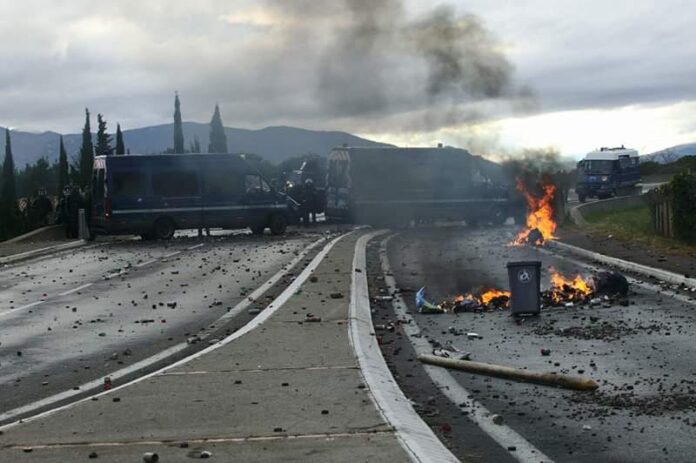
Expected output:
(74, 290)
(195, 246)
(171, 254)
(146, 263)
(18, 309)
(242, 305)
(503, 434)
(415, 436)
(115, 274)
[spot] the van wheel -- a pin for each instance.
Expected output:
(164, 228)
(278, 224)
(258, 229)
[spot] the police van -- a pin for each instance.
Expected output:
(608, 172)
(154, 195)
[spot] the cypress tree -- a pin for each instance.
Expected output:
(103, 138)
(218, 139)
(9, 211)
(63, 179)
(86, 154)
(178, 128)
(120, 146)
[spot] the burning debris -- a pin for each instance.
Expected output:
(603, 287)
(541, 223)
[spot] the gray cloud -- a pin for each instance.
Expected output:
(367, 66)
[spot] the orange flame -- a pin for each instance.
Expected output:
(540, 214)
(491, 294)
(566, 289)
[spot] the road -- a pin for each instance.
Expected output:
(77, 316)
(642, 355)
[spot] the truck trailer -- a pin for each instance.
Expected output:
(395, 186)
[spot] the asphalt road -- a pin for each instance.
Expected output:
(74, 317)
(642, 355)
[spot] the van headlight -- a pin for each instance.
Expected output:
(605, 178)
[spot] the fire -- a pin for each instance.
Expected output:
(540, 215)
(491, 294)
(565, 289)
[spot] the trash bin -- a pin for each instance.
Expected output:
(525, 286)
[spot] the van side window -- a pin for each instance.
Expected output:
(128, 184)
(175, 183)
(222, 183)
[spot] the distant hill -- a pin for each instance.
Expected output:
(273, 143)
(669, 155)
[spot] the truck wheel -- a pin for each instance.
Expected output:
(258, 229)
(164, 228)
(582, 198)
(278, 224)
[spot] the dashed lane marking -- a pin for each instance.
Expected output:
(74, 290)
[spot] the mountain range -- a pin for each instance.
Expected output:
(672, 154)
(273, 143)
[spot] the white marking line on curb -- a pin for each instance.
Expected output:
(242, 305)
(74, 290)
(24, 307)
(449, 386)
(414, 435)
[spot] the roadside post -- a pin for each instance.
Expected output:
(525, 286)
(83, 230)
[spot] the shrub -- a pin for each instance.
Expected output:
(683, 187)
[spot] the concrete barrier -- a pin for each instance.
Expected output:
(581, 211)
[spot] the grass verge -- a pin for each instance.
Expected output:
(634, 224)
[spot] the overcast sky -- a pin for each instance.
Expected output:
(496, 76)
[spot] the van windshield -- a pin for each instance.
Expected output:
(598, 166)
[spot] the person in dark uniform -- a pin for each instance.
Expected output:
(42, 208)
(73, 203)
(310, 202)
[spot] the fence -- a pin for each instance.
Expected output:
(663, 217)
(661, 210)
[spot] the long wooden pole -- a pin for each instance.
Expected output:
(550, 379)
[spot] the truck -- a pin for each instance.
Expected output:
(154, 195)
(608, 172)
(394, 186)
